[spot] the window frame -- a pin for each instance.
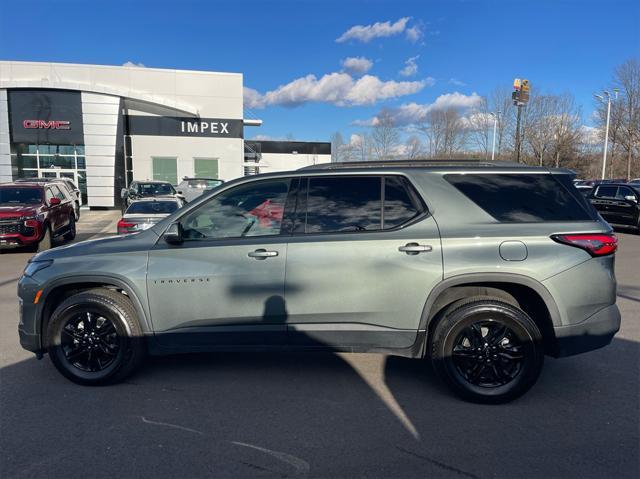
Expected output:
(247, 239)
(300, 213)
(596, 194)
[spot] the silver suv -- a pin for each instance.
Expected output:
(481, 268)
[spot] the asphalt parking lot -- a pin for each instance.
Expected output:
(317, 415)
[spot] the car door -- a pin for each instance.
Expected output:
(66, 206)
(53, 211)
(625, 207)
(362, 259)
(224, 285)
(604, 198)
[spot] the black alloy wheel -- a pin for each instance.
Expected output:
(488, 354)
(487, 350)
(94, 337)
(90, 342)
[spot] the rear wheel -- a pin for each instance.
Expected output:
(487, 350)
(94, 337)
(45, 243)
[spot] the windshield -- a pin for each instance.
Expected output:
(152, 207)
(204, 183)
(156, 189)
(26, 196)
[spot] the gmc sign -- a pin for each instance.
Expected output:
(47, 124)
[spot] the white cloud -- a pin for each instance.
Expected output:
(357, 65)
(410, 67)
(412, 113)
(456, 82)
(414, 33)
(338, 88)
(366, 33)
(133, 64)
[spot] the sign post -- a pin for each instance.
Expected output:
(520, 97)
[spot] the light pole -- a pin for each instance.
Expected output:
(495, 125)
(606, 132)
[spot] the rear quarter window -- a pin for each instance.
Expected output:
(522, 198)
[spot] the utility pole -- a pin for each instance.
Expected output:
(495, 125)
(606, 132)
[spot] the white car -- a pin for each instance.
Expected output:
(191, 188)
(144, 213)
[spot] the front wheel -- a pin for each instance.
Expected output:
(45, 243)
(71, 234)
(487, 350)
(94, 337)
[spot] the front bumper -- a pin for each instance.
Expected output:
(28, 325)
(16, 234)
(594, 332)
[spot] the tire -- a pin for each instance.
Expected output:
(71, 234)
(487, 350)
(45, 243)
(92, 352)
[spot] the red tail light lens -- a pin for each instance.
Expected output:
(594, 244)
(125, 227)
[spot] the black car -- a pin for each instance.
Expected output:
(148, 189)
(618, 204)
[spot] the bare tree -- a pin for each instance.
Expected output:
(539, 131)
(414, 148)
(337, 147)
(479, 124)
(500, 101)
(384, 137)
(565, 125)
(627, 79)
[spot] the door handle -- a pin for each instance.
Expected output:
(415, 248)
(262, 254)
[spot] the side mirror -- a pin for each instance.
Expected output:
(173, 234)
(54, 201)
(124, 193)
(179, 192)
(631, 198)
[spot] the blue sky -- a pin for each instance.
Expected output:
(457, 46)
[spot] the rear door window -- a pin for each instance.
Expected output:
(606, 191)
(343, 204)
(515, 198)
(401, 205)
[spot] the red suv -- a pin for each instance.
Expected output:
(35, 214)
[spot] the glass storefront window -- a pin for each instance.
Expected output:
(80, 150)
(29, 161)
(66, 149)
(57, 161)
(81, 163)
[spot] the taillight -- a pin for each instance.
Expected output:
(594, 244)
(125, 227)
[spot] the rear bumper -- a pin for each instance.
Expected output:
(594, 332)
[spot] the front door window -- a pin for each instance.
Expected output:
(249, 210)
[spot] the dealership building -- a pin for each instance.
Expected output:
(104, 126)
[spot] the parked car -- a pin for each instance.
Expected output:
(635, 181)
(34, 214)
(585, 190)
(144, 213)
(618, 203)
(72, 191)
(148, 189)
(479, 267)
(191, 188)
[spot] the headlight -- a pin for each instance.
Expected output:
(34, 266)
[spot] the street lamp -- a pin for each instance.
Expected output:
(495, 124)
(606, 132)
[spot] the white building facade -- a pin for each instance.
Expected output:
(104, 126)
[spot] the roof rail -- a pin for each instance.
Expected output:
(412, 164)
